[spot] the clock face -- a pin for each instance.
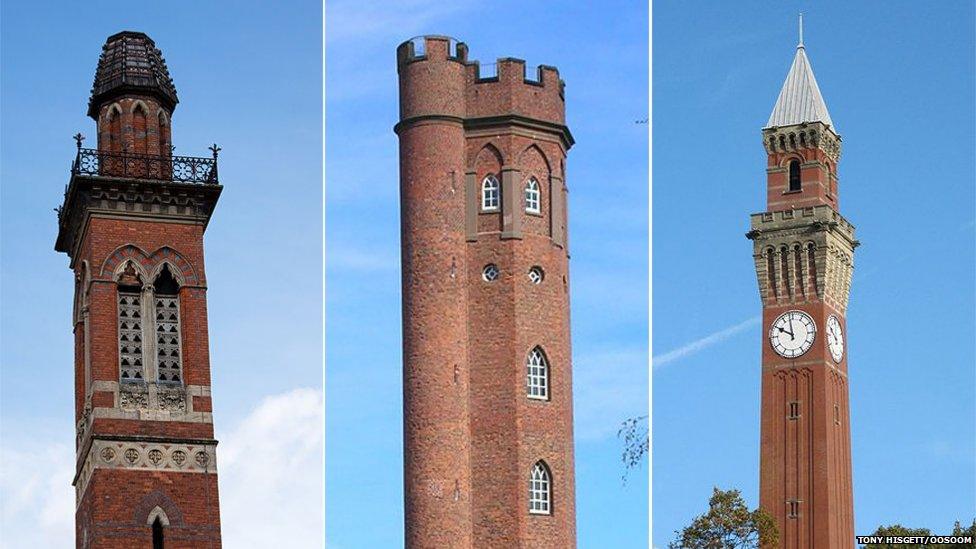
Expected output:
(835, 338)
(792, 334)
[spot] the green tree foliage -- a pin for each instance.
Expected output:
(728, 524)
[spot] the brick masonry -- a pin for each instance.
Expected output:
(146, 449)
(471, 434)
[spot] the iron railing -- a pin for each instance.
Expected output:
(178, 169)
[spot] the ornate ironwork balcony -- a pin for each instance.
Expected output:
(177, 169)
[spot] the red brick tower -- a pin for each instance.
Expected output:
(488, 430)
(132, 224)
(804, 251)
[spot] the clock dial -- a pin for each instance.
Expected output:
(792, 334)
(835, 338)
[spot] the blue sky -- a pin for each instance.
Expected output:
(898, 80)
(601, 52)
(249, 77)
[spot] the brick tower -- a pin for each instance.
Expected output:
(132, 224)
(488, 430)
(804, 252)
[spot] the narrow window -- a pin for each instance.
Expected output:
(157, 534)
(538, 375)
(798, 264)
(812, 262)
(794, 410)
(792, 508)
(164, 139)
(784, 257)
(490, 193)
(540, 500)
(771, 272)
(836, 414)
(140, 140)
(167, 313)
(532, 196)
(130, 334)
(114, 130)
(794, 175)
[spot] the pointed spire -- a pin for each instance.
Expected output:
(800, 99)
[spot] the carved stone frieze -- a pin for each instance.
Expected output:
(172, 399)
(178, 457)
(133, 397)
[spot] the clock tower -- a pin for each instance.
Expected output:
(804, 256)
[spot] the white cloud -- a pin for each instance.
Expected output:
(37, 501)
(271, 474)
(704, 343)
(271, 479)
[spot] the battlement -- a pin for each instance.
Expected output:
(785, 220)
(504, 87)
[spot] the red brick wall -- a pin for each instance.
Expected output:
(468, 422)
(807, 458)
(115, 509)
(113, 496)
(142, 133)
(818, 181)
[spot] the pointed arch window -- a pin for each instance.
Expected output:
(540, 490)
(533, 196)
(795, 176)
(537, 369)
(166, 311)
(490, 193)
(131, 360)
(140, 128)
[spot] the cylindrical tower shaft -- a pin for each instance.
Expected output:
(436, 441)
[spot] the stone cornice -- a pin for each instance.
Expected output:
(88, 196)
(495, 122)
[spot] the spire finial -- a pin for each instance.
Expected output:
(800, 45)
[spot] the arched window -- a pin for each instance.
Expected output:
(533, 199)
(166, 310)
(139, 130)
(164, 139)
(130, 311)
(157, 534)
(114, 129)
(490, 193)
(540, 490)
(537, 375)
(795, 175)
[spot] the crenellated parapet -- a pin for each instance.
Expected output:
(438, 82)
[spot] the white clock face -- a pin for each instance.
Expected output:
(835, 339)
(792, 334)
